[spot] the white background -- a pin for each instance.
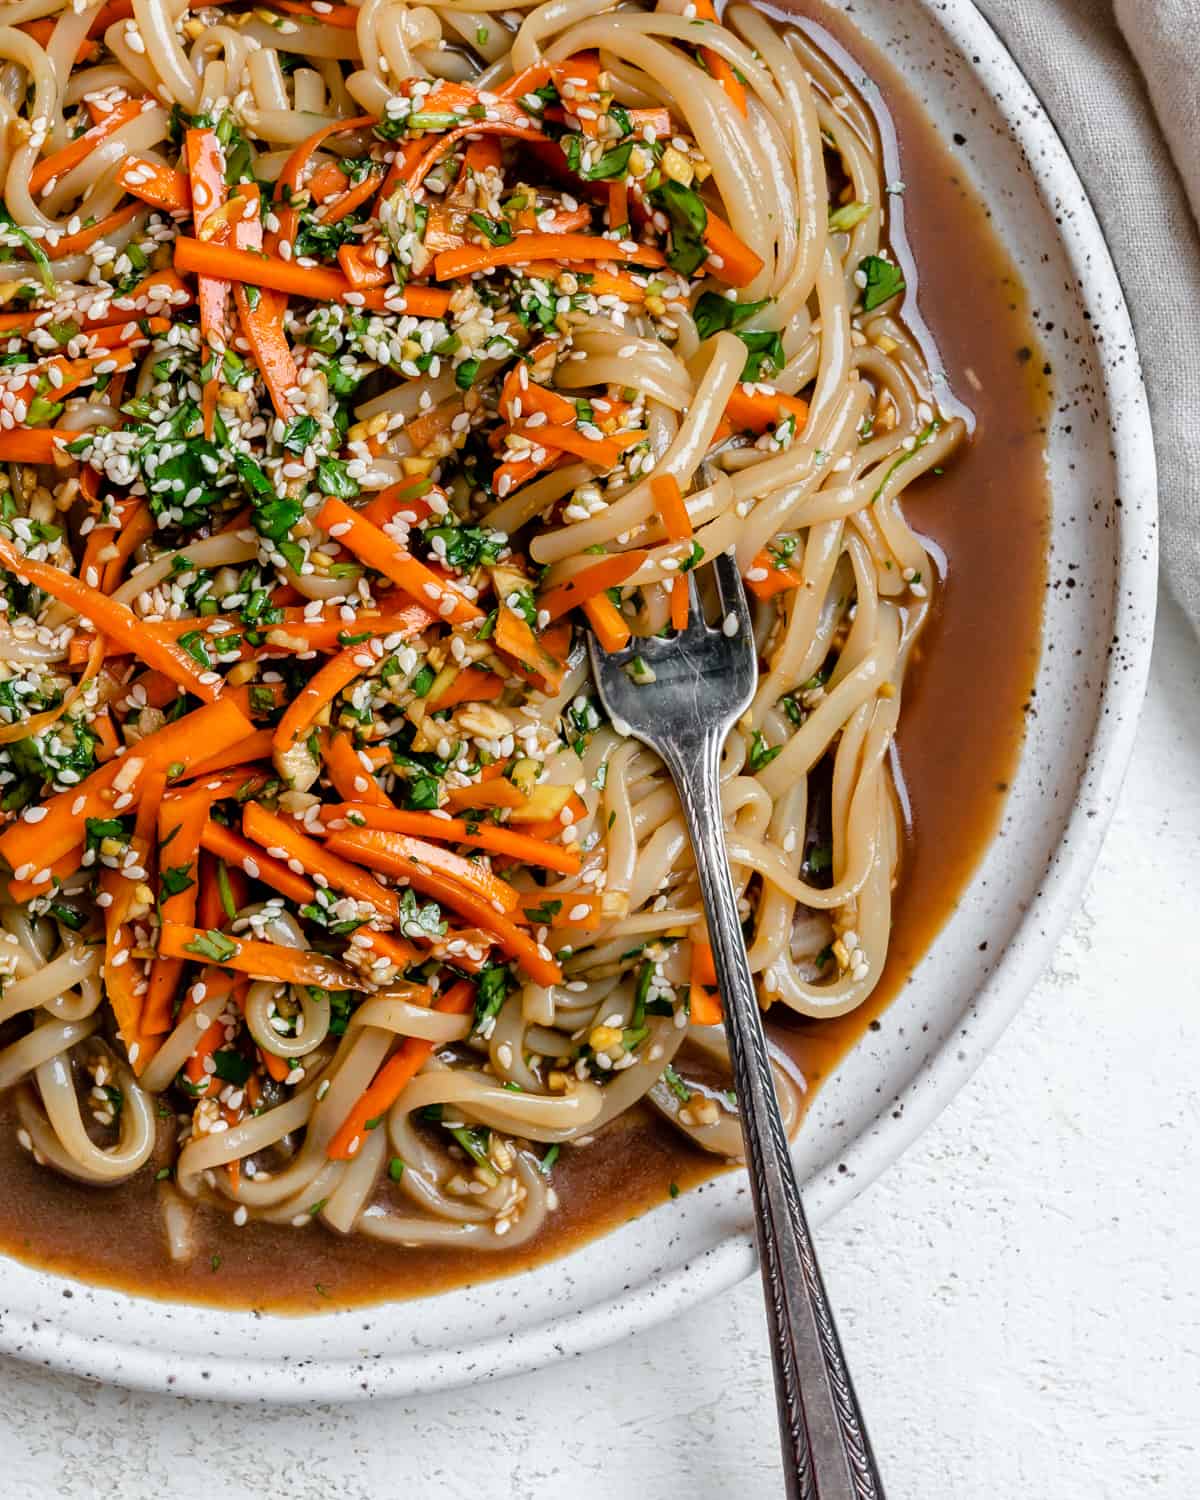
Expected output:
(1019, 1296)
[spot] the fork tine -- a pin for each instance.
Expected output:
(730, 593)
(695, 620)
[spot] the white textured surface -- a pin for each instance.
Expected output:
(1019, 1296)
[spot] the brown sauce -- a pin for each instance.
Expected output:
(959, 739)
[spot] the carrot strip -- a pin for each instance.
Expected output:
(476, 877)
(376, 849)
(671, 507)
(489, 836)
(344, 17)
(680, 603)
(385, 555)
(333, 213)
(515, 638)
(705, 1008)
(522, 398)
(115, 620)
(183, 743)
(161, 187)
(453, 265)
(390, 1081)
(752, 409)
(274, 833)
(601, 283)
(39, 446)
(415, 174)
(607, 621)
(739, 264)
(261, 960)
(72, 244)
(51, 167)
(239, 853)
(717, 66)
(602, 452)
(498, 793)
(205, 258)
(42, 30)
(608, 574)
(349, 776)
(21, 891)
(552, 828)
(181, 820)
(206, 176)
(319, 691)
(422, 430)
(471, 685)
(765, 578)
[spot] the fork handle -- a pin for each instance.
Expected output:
(826, 1452)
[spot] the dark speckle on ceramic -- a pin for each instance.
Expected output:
(1098, 625)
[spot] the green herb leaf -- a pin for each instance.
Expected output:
(884, 281)
(714, 313)
(689, 220)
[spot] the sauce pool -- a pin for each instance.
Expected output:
(959, 739)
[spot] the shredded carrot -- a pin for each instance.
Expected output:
(514, 636)
(390, 1081)
(475, 876)
(717, 66)
(739, 265)
(206, 177)
(320, 691)
(622, 284)
(422, 430)
(588, 582)
(680, 602)
(181, 820)
(255, 745)
(489, 836)
(344, 17)
(253, 861)
(672, 508)
(454, 265)
(83, 239)
(751, 409)
(552, 828)
(610, 625)
(360, 266)
(115, 620)
(765, 578)
(25, 890)
(161, 187)
(52, 167)
(351, 779)
(31, 446)
(470, 685)
(705, 1008)
(498, 793)
(355, 196)
(385, 555)
(377, 849)
(275, 834)
(260, 960)
(602, 452)
(317, 282)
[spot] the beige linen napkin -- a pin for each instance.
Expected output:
(1121, 80)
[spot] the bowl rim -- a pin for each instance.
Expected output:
(1002, 993)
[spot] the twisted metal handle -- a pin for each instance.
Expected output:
(826, 1452)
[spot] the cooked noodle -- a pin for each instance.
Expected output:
(736, 354)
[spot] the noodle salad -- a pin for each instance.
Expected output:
(355, 361)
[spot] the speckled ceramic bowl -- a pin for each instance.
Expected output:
(1097, 646)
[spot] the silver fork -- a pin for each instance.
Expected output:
(703, 681)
